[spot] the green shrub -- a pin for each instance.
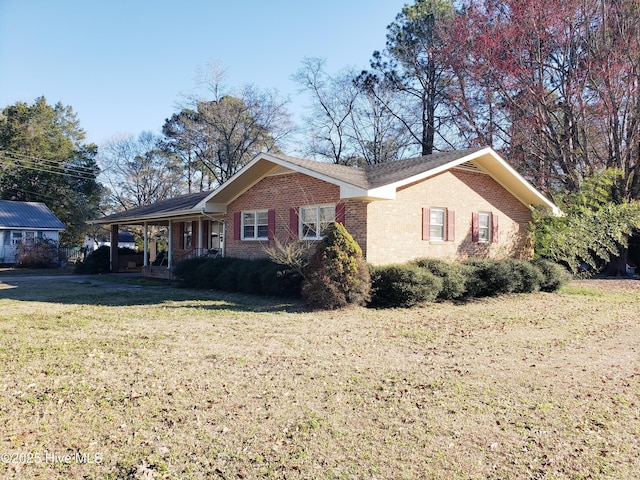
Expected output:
(554, 276)
(453, 275)
(403, 286)
(487, 278)
(281, 281)
(525, 277)
(227, 275)
(185, 271)
(260, 277)
(249, 278)
(336, 275)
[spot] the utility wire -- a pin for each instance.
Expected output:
(48, 170)
(51, 163)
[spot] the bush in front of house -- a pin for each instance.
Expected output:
(41, 253)
(554, 276)
(184, 271)
(405, 285)
(412, 284)
(454, 277)
(402, 286)
(525, 277)
(261, 276)
(487, 277)
(336, 275)
(280, 280)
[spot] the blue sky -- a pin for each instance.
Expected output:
(126, 65)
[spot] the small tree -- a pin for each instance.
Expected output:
(336, 275)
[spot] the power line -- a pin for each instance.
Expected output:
(51, 163)
(60, 171)
(40, 194)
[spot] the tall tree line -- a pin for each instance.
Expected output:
(554, 86)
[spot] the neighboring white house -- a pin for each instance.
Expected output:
(24, 222)
(125, 240)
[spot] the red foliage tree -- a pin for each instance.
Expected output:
(552, 84)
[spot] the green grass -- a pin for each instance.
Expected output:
(171, 383)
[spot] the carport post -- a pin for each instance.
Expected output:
(114, 248)
(170, 247)
(145, 261)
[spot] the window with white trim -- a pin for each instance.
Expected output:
(437, 224)
(315, 220)
(484, 227)
(255, 225)
(16, 238)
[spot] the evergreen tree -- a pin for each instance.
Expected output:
(337, 275)
(43, 159)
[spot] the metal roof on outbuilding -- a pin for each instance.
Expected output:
(28, 215)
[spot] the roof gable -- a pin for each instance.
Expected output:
(28, 215)
(373, 182)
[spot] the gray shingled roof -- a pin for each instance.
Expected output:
(176, 204)
(371, 176)
(392, 172)
(27, 215)
(351, 175)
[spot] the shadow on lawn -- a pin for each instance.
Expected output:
(111, 291)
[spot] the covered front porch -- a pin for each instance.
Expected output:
(172, 230)
(168, 242)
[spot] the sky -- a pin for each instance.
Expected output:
(124, 66)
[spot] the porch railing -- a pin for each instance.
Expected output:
(195, 253)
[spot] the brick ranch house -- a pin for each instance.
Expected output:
(450, 205)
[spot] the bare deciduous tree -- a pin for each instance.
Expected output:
(224, 129)
(136, 171)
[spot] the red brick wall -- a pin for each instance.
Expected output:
(390, 231)
(281, 192)
(395, 226)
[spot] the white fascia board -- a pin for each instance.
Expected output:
(213, 208)
(435, 171)
(386, 192)
(351, 191)
(34, 229)
(246, 168)
(523, 181)
(145, 218)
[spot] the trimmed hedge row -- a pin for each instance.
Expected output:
(259, 277)
(405, 285)
(426, 280)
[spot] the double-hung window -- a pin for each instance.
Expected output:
(438, 224)
(255, 225)
(315, 220)
(484, 227)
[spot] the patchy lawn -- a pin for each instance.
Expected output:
(113, 381)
